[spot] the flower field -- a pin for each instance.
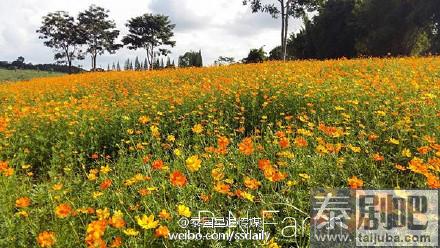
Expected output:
(115, 159)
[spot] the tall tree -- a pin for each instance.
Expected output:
(145, 64)
(137, 65)
(150, 32)
(61, 33)
(224, 60)
(98, 32)
(255, 56)
(283, 9)
(127, 65)
(118, 66)
(191, 59)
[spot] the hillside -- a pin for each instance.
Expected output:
(97, 157)
(20, 75)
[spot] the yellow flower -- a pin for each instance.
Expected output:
(291, 183)
(105, 169)
(97, 194)
(155, 131)
(393, 141)
(177, 152)
(147, 222)
(103, 213)
(57, 186)
(91, 177)
(304, 176)
(406, 153)
(131, 232)
(198, 128)
(26, 166)
(272, 244)
(171, 138)
(193, 163)
(355, 149)
(246, 195)
(144, 120)
(183, 210)
(22, 213)
(217, 174)
(381, 113)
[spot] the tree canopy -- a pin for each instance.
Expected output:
(152, 33)
(61, 33)
(98, 32)
(191, 59)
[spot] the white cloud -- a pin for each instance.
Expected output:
(217, 27)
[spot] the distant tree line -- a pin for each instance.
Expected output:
(19, 64)
(93, 33)
(191, 59)
(355, 28)
(139, 65)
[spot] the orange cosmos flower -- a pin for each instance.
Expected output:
(300, 142)
(205, 197)
(117, 242)
(157, 164)
(145, 159)
(246, 146)
(105, 184)
(8, 172)
(178, 179)
(3, 166)
(424, 150)
(378, 157)
(63, 210)
(117, 220)
(372, 137)
(46, 239)
(432, 181)
(144, 191)
(280, 134)
(222, 141)
(274, 175)
(161, 231)
(95, 231)
(23, 202)
(416, 165)
(264, 164)
(399, 167)
(164, 215)
(355, 183)
(222, 188)
(284, 142)
(251, 183)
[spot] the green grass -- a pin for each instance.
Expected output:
(22, 75)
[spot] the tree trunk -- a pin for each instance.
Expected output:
(94, 60)
(70, 65)
(286, 27)
(282, 28)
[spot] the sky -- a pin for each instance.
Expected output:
(216, 27)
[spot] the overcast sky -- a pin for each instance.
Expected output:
(217, 27)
